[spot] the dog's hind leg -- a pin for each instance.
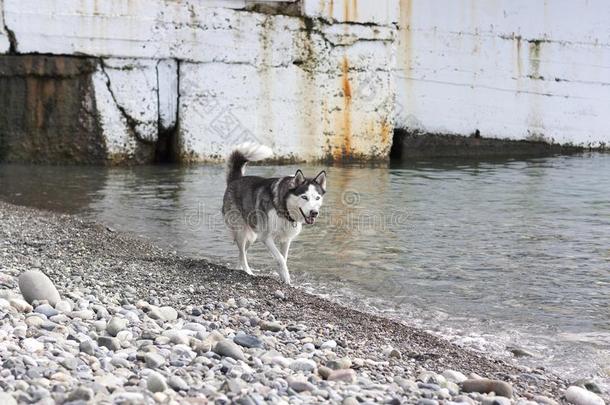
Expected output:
(283, 270)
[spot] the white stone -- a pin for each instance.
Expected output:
(580, 396)
(35, 285)
(32, 345)
(156, 382)
(20, 305)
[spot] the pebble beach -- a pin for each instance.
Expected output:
(93, 316)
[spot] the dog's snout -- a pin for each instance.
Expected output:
(313, 213)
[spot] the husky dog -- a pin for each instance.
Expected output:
(272, 209)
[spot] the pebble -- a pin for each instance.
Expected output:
(248, 341)
(20, 305)
(35, 285)
(498, 400)
(178, 383)
(110, 343)
(580, 396)
(485, 386)
(272, 326)
(454, 376)
(342, 375)
(7, 399)
(168, 313)
(154, 360)
(115, 325)
(101, 342)
(329, 344)
(303, 365)
(156, 382)
(299, 384)
(32, 345)
(228, 348)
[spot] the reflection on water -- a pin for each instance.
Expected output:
(516, 249)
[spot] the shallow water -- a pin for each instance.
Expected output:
(488, 254)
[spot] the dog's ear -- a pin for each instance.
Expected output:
(299, 178)
(321, 180)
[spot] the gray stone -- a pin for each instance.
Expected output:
(227, 348)
(303, 365)
(81, 394)
(109, 342)
(498, 400)
(154, 360)
(115, 325)
(279, 294)
(248, 341)
(272, 326)
(46, 310)
(485, 386)
(300, 384)
(88, 346)
(427, 401)
(339, 364)
(35, 285)
(177, 383)
(156, 382)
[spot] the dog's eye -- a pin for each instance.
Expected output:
(317, 198)
(304, 197)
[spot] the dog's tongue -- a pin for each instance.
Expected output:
(310, 220)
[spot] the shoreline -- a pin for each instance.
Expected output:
(388, 359)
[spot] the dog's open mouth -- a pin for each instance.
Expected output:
(309, 220)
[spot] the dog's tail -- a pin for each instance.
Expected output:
(242, 154)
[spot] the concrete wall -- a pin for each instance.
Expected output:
(314, 79)
(214, 73)
(518, 69)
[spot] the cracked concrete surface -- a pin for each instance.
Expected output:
(316, 79)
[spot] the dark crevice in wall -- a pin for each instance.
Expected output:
(132, 123)
(167, 146)
(11, 36)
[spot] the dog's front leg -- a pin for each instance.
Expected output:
(283, 271)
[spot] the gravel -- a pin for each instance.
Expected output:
(132, 323)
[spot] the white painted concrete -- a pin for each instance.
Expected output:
(167, 83)
(334, 83)
(133, 84)
(379, 12)
(512, 69)
(121, 145)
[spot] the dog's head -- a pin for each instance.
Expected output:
(305, 197)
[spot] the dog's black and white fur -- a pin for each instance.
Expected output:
(270, 209)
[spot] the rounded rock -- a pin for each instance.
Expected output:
(156, 382)
(228, 348)
(35, 285)
(580, 396)
(115, 325)
(485, 386)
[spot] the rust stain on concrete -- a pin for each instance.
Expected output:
(346, 124)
